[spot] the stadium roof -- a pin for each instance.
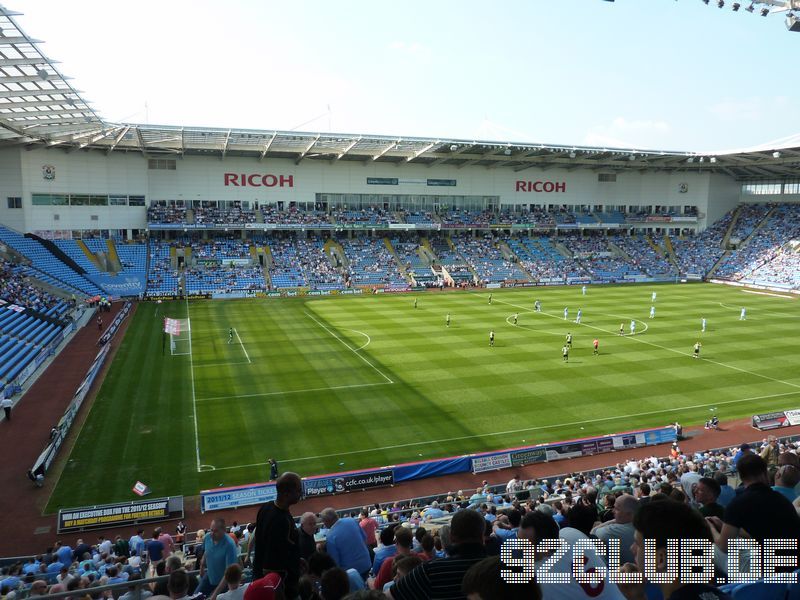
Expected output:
(39, 108)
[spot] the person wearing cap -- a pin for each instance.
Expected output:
(219, 552)
(276, 538)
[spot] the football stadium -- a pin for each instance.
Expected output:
(256, 364)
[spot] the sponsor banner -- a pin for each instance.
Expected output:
(382, 180)
(115, 324)
(493, 462)
(234, 497)
(527, 457)
(113, 515)
(228, 295)
(659, 219)
(493, 286)
(793, 417)
(632, 440)
(350, 292)
(684, 219)
(326, 486)
(441, 182)
(557, 452)
(773, 420)
(165, 297)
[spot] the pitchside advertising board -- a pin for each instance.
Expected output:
(114, 515)
(328, 486)
(234, 497)
(588, 447)
(776, 420)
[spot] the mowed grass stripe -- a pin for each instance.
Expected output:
(450, 385)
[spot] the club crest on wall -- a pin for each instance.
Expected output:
(48, 172)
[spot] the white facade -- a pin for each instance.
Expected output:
(204, 178)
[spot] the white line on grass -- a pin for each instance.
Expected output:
(194, 398)
(283, 393)
(224, 364)
(515, 431)
(768, 294)
(236, 331)
(714, 362)
(346, 345)
(369, 339)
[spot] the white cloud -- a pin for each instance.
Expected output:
(748, 109)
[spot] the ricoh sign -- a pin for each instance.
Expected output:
(546, 187)
(267, 180)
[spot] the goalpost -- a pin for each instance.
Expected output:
(180, 336)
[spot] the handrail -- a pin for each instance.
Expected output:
(136, 583)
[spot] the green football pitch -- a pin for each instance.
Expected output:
(327, 384)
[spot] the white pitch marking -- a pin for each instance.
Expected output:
(369, 339)
(236, 331)
(283, 393)
(224, 364)
(346, 345)
(768, 294)
(515, 431)
(714, 362)
(194, 397)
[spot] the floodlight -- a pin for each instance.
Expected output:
(42, 73)
(776, 154)
(705, 1)
(690, 159)
(736, 6)
(792, 22)
(632, 157)
(507, 151)
(453, 148)
(572, 154)
(702, 158)
(764, 12)
(720, 3)
(713, 159)
(750, 8)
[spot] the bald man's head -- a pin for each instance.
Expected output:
(289, 488)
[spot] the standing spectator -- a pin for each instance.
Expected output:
(219, 552)
(136, 543)
(166, 539)
(346, 542)
(276, 537)
(273, 469)
(180, 532)
(770, 454)
(369, 526)
(64, 553)
(726, 493)
(5, 403)
(155, 550)
(442, 577)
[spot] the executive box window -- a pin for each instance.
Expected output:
(14, 202)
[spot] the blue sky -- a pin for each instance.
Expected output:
(644, 74)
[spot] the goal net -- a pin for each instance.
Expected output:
(180, 336)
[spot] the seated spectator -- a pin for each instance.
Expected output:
(403, 539)
(786, 478)
(620, 527)
(706, 493)
(483, 581)
(233, 580)
(441, 578)
(661, 521)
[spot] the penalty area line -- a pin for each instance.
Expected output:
(247, 356)
(285, 393)
(515, 431)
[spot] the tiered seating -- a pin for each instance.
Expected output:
(46, 262)
(315, 218)
(585, 218)
(163, 214)
(223, 216)
(597, 258)
(15, 290)
(286, 271)
(781, 227)
(421, 217)
(466, 218)
(371, 263)
(487, 260)
(22, 337)
(643, 257)
(610, 217)
(698, 254)
(565, 217)
(132, 257)
(162, 280)
(456, 266)
(319, 270)
(71, 249)
(782, 269)
(750, 215)
(223, 279)
(370, 216)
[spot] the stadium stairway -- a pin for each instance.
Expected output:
(259, 216)
(189, 215)
(333, 248)
(90, 255)
(653, 245)
(758, 227)
(670, 251)
(744, 242)
(112, 257)
(511, 256)
(619, 252)
(731, 226)
(562, 249)
(400, 265)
